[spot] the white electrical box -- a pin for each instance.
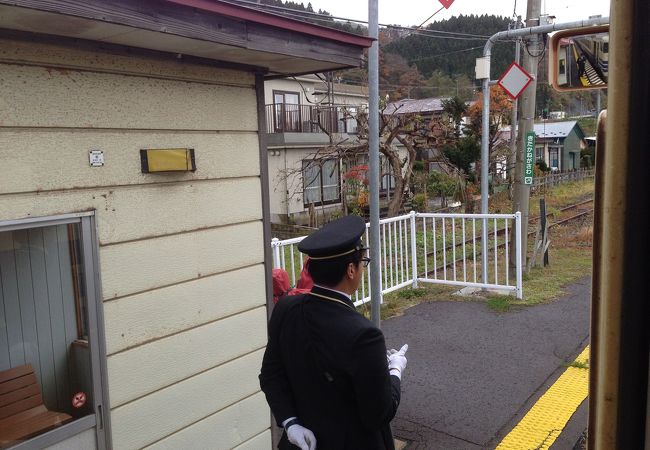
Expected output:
(482, 68)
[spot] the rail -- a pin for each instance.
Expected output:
(289, 118)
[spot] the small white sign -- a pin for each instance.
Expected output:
(96, 158)
(514, 80)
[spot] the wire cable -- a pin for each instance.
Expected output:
(329, 18)
(429, 18)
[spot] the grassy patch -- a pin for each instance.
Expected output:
(556, 197)
(567, 264)
(396, 302)
(563, 195)
(499, 303)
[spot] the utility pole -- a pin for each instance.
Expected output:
(512, 156)
(373, 163)
(526, 124)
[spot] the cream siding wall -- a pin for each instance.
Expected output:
(278, 185)
(289, 85)
(181, 255)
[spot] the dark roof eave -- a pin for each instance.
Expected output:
(265, 18)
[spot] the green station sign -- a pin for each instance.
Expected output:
(529, 157)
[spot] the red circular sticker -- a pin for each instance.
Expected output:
(79, 399)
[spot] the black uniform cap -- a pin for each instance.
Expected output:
(337, 238)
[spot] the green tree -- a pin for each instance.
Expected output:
(456, 109)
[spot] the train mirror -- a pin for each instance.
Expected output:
(579, 58)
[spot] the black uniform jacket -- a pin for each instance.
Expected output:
(326, 365)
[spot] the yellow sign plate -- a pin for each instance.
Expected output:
(167, 160)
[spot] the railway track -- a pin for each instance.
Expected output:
(500, 231)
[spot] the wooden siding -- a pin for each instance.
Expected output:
(260, 442)
(155, 314)
(218, 155)
(213, 395)
(181, 255)
(250, 415)
(37, 308)
(142, 265)
(131, 213)
(147, 368)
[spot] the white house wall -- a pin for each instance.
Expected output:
(277, 184)
(287, 85)
(181, 255)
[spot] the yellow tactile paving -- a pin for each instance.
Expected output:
(541, 426)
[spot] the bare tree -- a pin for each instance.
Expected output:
(395, 130)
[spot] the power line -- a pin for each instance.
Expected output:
(428, 18)
(328, 19)
(444, 54)
(411, 86)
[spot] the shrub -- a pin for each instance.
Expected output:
(419, 202)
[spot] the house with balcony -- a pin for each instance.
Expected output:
(305, 116)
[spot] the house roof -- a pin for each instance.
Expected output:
(275, 20)
(546, 130)
(215, 30)
(409, 106)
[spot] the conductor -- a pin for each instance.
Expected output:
(326, 373)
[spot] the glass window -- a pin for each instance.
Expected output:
(539, 153)
(45, 343)
(553, 156)
(348, 117)
(330, 176)
(321, 183)
(286, 111)
(312, 183)
(387, 178)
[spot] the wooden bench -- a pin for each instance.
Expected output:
(22, 412)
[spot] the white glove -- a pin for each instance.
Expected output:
(397, 361)
(301, 437)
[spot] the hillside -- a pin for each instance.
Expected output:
(453, 54)
(439, 61)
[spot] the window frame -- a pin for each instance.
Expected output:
(279, 117)
(321, 190)
(89, 246)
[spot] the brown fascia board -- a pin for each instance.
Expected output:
(216, 22)
(274, 20)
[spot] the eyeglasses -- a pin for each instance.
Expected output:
(365, 261)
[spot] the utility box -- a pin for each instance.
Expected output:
(482, 68)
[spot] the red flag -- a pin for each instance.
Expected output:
(446, 3)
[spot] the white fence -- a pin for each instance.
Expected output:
(451, 249)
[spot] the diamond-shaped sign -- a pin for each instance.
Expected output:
(514, 80)
(446, 3)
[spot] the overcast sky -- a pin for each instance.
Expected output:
(414, 12)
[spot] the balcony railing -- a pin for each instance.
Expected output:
(288, 118)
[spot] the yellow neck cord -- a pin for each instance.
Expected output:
(332, 299)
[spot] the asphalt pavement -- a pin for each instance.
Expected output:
(473, 373)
